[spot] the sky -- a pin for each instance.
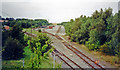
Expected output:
(55, 11)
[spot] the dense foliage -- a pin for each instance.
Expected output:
(43, 39)
(99, 32)
(14, 37)
(13, 49)
(26, 23)
(13, 43)
(38, 50)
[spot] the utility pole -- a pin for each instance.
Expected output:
(23, 62)
(53, 61)
(31, 27)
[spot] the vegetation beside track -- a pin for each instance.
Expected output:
(99, 33)
(95, 54)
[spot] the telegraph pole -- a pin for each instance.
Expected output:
(23, 62)
(31, 27)
(53, 61)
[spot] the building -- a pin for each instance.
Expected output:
(6, 27)
(50, 27)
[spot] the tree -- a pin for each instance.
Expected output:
(5, 35)
(98, 32)
(13, 49)
(37, 56)
(71, 20)
(95, 15)
(39, 30)
(16, 32)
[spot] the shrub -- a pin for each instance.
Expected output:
(38, 54)
(104, 48)
(39, 30)
(43, 38)
(26, 38)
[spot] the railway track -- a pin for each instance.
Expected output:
(33, 35)
(64, 60)
(56, 51)
(58, 30)
(85, 58)
(82, 56)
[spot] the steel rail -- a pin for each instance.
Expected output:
(70, 59)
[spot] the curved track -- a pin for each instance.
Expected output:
(85, 58)
(82, 56)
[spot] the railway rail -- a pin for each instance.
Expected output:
(56, 51)
(85, 58)
(64, 61)
(33, 35)
(58, 30)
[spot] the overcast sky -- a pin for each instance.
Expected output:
(55, 11)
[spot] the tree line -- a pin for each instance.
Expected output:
(25, 23)
(14, 40)
(99, 32)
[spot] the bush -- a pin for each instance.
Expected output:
(104, 48)
(43, 38)
(16, 33)
(13, 49)
(39, 30)
(38, 54)
(26, 38)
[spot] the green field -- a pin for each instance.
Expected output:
(33, 31)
